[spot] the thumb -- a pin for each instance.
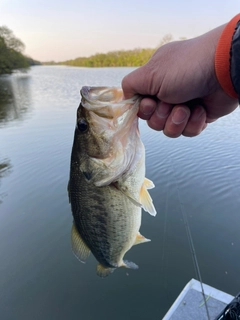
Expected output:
(137, 82)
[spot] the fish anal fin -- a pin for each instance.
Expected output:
(79, 248)
(129, 265)
(103, 272)
(140, 239)
(148, 183)
(146, 201)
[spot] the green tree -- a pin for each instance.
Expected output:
(11, 41)
(11, 48)
(5, 62)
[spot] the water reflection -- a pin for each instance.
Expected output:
(5, 170)
(15, 98)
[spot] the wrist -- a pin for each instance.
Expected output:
(223, 58)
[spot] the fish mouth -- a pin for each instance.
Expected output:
(108, 102)
(101, 94)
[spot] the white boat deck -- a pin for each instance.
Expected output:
(190, 304)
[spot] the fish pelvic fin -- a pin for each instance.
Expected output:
(145, 198)
(103, 272)
(129, 265)
(79, 248)
(148, 183)
(140, 239)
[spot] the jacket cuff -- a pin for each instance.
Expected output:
(223, 57)
(235, 60)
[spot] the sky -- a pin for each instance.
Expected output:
(67, 29)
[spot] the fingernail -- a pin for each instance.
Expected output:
(180, 115)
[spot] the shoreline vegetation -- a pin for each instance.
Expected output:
(121, 58)
(12, 57)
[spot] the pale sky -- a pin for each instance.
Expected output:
(66, 29)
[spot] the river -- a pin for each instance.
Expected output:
(198, 177)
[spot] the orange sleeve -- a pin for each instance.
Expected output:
(223, 56)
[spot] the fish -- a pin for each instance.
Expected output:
(107, 186)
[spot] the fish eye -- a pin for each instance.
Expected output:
(82, 125)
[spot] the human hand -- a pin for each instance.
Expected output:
(181, 93)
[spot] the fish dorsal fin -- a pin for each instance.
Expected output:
(79, 248)
(103, 271)
(148, 183)
(140, 239)
(146, 200)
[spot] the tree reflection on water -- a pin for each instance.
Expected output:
(5, 170)
(15, 97)
(15, 104)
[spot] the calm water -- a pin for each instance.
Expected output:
(39, 276)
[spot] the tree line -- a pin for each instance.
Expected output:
(11, 56)
(123, 58)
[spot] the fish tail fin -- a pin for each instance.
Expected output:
(146, 200)
(103, 271)
(129, 265)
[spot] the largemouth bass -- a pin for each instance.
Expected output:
(107, 186)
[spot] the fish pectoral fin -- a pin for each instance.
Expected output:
(140, 239)
(129, 265)
(148, 183)
(126, 192)
(79, 248)
(146, 201)
(103, 271)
